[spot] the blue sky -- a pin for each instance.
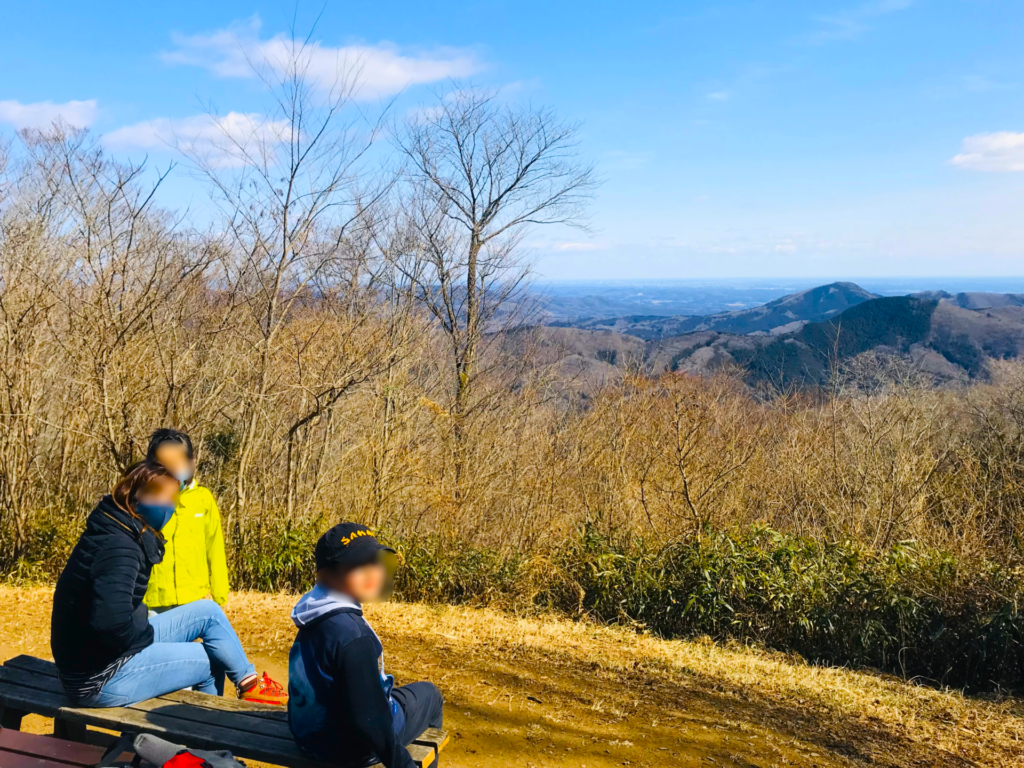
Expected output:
(736, 139)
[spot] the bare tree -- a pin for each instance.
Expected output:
(120, 265)
(26, 301)
(483, 174)
(291, 187)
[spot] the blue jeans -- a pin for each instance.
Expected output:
(174, 661)
(218, 671)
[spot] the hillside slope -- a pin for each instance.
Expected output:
(893, 324)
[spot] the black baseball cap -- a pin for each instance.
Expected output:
(348, 545)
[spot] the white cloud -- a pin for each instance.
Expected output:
(574, 247)
(224, 141)
(851, 24)
(41, 114)
(382, 69)
(1001, 151)
(719, 96)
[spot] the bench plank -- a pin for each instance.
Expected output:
(37, 702)
(256, 710)
(433, 737)
(232, 720)
(32, 664)
(32, 680)
(69, 752)
(17, 760)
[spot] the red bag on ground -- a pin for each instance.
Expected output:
(185, 760)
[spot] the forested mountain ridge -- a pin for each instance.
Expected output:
(948, 337)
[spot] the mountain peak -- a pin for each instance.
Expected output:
(788, 313)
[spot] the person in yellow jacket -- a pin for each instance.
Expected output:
(194, 565)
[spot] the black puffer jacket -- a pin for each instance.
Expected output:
(98, 613)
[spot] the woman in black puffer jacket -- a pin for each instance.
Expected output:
(108, 651)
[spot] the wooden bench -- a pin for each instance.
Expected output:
(257, 731)
(26, 750)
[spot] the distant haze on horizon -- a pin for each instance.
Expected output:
(734, 139)
(881, 285)
(715, 267)
(612, 298)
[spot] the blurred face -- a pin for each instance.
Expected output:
(174, 456)
(364, 584)
(162, 491)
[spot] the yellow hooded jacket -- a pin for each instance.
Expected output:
(194, 563)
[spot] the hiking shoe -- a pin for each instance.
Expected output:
(265, 691)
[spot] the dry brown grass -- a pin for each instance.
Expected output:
(985, 732)
(549, 691)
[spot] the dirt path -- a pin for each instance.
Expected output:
(549, 692)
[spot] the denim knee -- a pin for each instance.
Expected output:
(209, 685)
(213, 611)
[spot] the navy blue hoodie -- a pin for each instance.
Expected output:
(340, 707)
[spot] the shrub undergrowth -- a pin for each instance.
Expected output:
(909, 610)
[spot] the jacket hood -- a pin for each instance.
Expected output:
(321, 602)
(111, 514)
(111, 518)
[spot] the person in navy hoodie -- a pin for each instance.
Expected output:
(342, 707)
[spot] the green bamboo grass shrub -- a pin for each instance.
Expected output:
(910, 610)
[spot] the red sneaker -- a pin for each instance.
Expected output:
(265, 691)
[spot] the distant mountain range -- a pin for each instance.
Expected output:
(794, 340)
(974, 299)
(782, 315)
(579, 300)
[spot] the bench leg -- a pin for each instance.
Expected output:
(11, 718)
(68, 731)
